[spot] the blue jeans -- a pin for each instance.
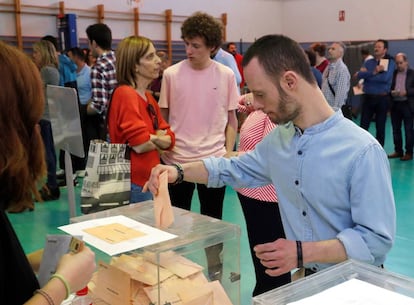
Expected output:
(137, 195)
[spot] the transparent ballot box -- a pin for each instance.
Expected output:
(350, 282)
(199, 266)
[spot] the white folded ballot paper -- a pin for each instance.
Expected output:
(117, 234)
(384, 62)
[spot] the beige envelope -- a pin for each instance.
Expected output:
(175, 263)
(163, 212)
(114, 233)
(139, 297)
(167, 296)
(113, 285)
(141, 270)
(203, 295)
(219, 294)
(198, 279)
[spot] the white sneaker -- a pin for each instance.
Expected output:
(80, 173)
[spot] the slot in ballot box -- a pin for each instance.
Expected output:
(350, 282)
(201, 265)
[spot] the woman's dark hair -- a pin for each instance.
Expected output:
(319, 48)
(101, 34)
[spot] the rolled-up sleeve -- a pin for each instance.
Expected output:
(372, 209)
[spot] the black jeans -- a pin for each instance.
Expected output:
(211, 199)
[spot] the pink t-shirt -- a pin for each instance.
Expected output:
(198, 102)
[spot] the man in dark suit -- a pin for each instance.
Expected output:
(402, 108)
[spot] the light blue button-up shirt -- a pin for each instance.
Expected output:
(332, 181)
(228, 60)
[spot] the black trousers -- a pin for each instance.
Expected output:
(211, 199)
(401, 113)
(263, 225)
(211, 204)
(377, 105)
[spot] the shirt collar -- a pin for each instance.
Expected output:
(325, 125)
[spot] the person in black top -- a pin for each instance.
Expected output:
(22, 166)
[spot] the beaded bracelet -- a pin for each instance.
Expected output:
(45, 295)
(180, 172)
(64, 281)
(299, 253)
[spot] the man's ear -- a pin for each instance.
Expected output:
(289, 80)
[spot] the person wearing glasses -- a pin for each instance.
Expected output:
(134, 116)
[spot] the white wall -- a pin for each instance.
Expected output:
(246, 19)
(317, 20)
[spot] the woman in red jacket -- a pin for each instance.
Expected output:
(134, 116)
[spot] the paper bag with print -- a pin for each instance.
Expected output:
(163, 212)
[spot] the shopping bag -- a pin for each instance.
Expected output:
(107, 181)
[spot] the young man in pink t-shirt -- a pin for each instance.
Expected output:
(199, 98)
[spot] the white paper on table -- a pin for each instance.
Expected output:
(358, 90)
(152, 235)
(356, 292)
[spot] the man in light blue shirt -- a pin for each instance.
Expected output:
(228, 60)
(332, 177)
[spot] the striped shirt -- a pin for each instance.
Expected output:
(256, 126)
